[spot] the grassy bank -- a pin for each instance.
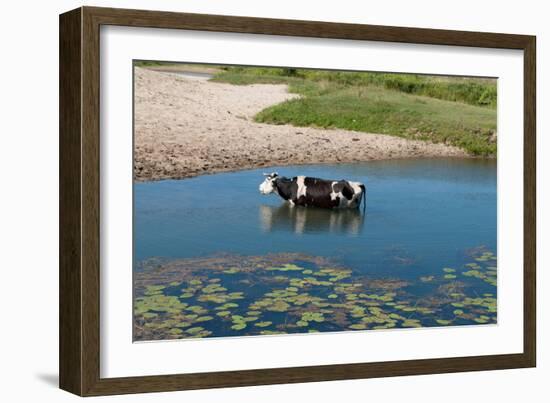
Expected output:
(456, 111)
(149, 63)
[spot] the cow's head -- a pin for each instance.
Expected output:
(267, 186)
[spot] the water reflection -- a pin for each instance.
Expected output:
(303, 220)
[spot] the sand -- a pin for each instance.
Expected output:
(188, 126)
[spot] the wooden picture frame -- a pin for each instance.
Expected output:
(80, 199)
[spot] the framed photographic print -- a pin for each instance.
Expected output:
(249, 201)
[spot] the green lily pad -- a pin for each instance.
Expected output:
(411, 323)
(294, 298)
(154, 289)
(481, 320)
(239, 326)
(200, 312)
(223, 313)
(278, 306)
(254, 313)
(226, 306)
(194, 330)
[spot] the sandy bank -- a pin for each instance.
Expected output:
(186, 127)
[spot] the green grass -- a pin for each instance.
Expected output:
(439, 109)
(472, 91)
(148, 63)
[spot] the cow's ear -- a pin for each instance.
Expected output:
(274, 174)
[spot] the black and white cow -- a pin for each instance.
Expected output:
(306, 191)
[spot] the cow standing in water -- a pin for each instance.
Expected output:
(306, 191)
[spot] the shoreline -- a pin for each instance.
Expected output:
(250, 168)
(187, 127)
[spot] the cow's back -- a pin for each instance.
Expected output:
(309, 191)
(315, 192)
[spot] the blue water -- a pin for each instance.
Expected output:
(421, 215)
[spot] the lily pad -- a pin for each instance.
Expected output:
(278, 293)
(223, 313)
(194, 330)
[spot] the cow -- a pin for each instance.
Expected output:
(307, 191)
